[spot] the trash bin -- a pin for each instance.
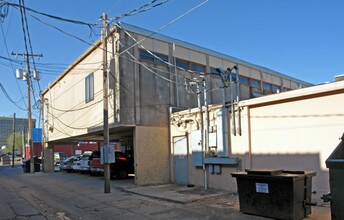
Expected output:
(275, 193)
(26, 165)
(335, 163)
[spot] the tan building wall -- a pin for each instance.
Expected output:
(298, 134)
(295, 130)
(151, 155)
(140, 94)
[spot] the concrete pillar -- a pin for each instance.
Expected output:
(48, 163)
(151, 150)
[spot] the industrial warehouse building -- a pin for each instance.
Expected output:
(148, 74)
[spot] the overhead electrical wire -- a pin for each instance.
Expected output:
(30, 44)
(139, 10)
(94, 70)
(11, 62)
(143, 8)
(10, 99)
(114, 6)
(26, 39)
(166, 25)
(78, 109)
(60, 30)
(132, 93)
(159, 58)
(4, 4)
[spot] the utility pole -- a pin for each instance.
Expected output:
(24, 141)
(105, 104)
(28, 82)
(43, 131)
(14, 137)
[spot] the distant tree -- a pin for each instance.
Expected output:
(18, 143)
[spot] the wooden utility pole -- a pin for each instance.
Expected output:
(14, 137)
(105, 103)
(28, 82)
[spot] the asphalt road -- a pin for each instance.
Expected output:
(75, 196)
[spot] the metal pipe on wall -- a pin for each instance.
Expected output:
(232, 102)
(249, 137)
(238, 98)
(202, 133)
(206, 147)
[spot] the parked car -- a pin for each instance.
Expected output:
(58, 157)
(96, 167)
(67, 163)
(124, 164)
(85, 162)
(76, 164)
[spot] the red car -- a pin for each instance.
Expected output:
(124, 165)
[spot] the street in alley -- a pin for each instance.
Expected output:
(66, 196)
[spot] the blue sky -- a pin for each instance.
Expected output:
(300, 38)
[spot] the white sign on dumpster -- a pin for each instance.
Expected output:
(262, 188)
(107, 154)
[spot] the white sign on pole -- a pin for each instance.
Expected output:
(107, 154)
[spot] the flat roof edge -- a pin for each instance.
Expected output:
(309, 91)
(155, 35)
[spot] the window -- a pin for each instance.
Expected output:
(243, 80)
(183, 64)
(254, 83)
(89, 88)
(275, 89)
(197, 67)
(187, 65)
(267, 86)
(213, 70)
(144, 55)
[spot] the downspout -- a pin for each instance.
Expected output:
(238, 99)
(249, 136)
(206, 147)
(176, 73)
(232, 103)
(202, 133)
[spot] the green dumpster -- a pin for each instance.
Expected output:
(276, 194)
(335, 163)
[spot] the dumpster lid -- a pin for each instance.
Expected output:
(275, 174)
(269, 172)
(336, 159)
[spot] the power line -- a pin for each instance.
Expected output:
(6, 4)
(9, 98)
(147, 68)
(165, 26)
(78, 109)
(8, 54)
(143, 8)
(114, 6)
(159, 58)
(31, 50)
(60, 30)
